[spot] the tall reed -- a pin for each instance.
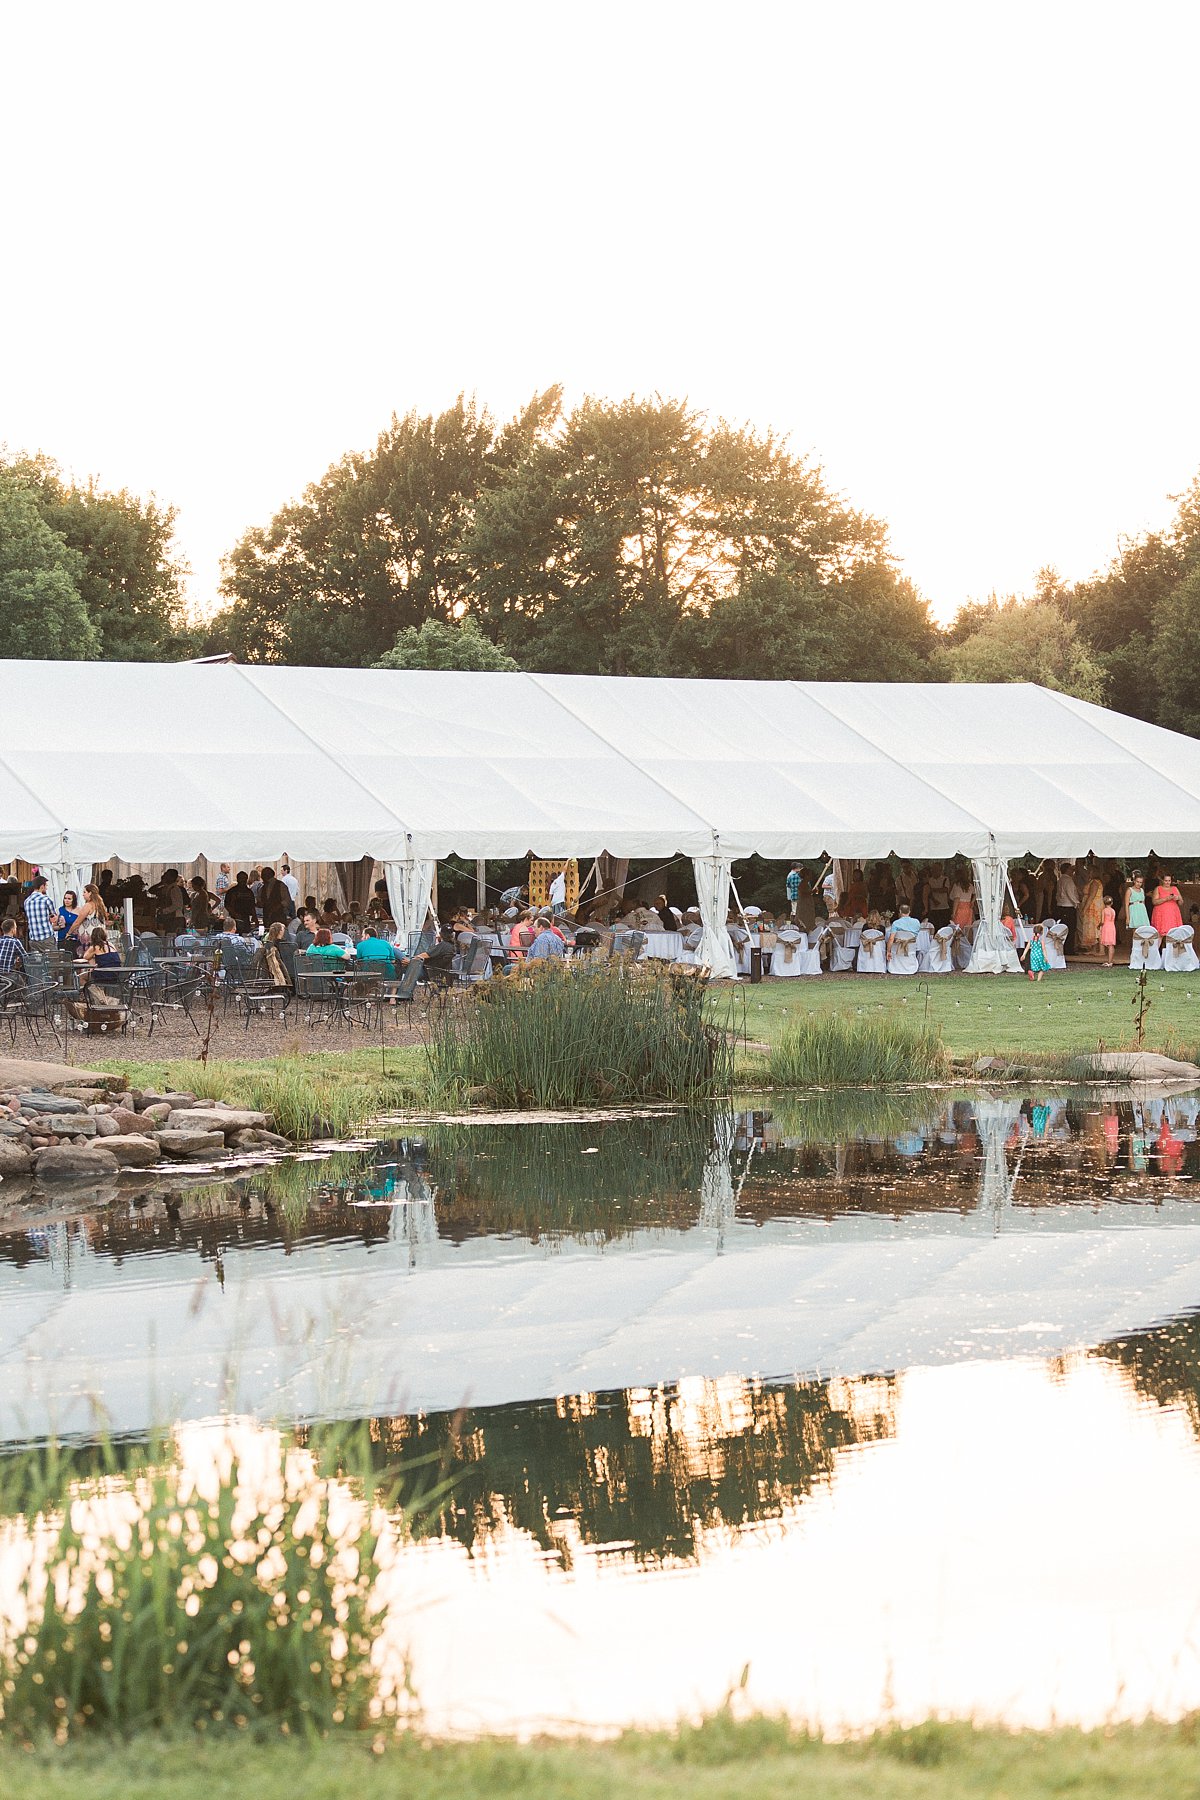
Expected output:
(236, 1594)
(834, 1051)
(560, 1036)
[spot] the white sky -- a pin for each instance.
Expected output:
(950, 249)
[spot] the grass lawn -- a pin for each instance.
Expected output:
(978, 1015)
(760, 1760)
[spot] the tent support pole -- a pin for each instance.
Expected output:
(480, 885)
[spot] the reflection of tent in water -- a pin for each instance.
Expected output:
(994, 1121)
(404, 1187)
(718, 1197)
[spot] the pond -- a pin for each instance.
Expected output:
(860, 1410)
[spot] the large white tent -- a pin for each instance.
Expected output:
(173, 761)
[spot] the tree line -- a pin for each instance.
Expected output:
(629, 537)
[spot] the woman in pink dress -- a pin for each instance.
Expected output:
(1108, 931)
(1166, 915)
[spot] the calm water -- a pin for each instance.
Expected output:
(895, 1404)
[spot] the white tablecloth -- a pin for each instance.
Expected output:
(665, 945)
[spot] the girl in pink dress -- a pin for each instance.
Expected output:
(1108, 931)
(1166, 915)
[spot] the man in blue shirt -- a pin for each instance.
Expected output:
(12, 951)
(546, 943)
(379, 954)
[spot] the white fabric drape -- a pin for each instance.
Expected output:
(61, 876)
(410, 886)
(994, 952)
(713, 875)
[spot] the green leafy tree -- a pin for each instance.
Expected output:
(41, 611)
(375, 546)
(1026, 640)
(130, 578)
(635, 517)
(435, 645)
(1176, 656)
(871, 626)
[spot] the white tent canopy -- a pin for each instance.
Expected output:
(174, 761)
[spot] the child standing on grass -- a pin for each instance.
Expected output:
(1037, 953)
(1108, 931)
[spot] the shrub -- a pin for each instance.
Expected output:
(835, 1052)
(560, 1035)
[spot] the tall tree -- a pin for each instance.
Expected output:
(130, 578)
(372, 548)
(1176, 656)
(41, 611)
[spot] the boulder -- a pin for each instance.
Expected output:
(177, 1102)
(106, 1125)
(1143, 1065)
(217, 1118)
(78, 1124)
(156, 1113)
(133, 1151)
(126, 1120)
(257, 1140)
(19, 1074)
(190, 1143)
(15, 1159)
(69, 1162)
(40, 1101)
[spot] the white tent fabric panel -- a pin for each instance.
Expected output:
(484, 764)
(770, 769)
(239, 763)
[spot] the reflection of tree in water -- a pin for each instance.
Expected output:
(1162, 1363)
(647, 1470)
(599, 1180)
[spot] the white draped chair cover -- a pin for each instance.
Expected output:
(410, 888)
(795, 954)
(941, 951)
(872, 953)
(903, 959)
(1054, 942)
(712, 893)
(1147, 949)
(1179, 952)
(993, 952)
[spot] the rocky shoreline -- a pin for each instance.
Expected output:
(85, 1126)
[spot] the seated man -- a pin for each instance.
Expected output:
(548, 942)
(904, 922)
(376, 953)
(12, 950)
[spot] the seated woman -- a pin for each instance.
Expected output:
(270, 964)
(331, 915)
(102, 960)
(324, 949)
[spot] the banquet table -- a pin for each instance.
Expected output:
(666, 946)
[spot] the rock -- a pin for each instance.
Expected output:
(157, 1113)
(133, 1151)
(13, 1127)
(106, 1125)
(42, 1102)
(1143, 1065)
(190, 1143)
(988, 1065)
(218, 1118)
(258, 1140)
(177, 1102)
(126, 1120)
(14, 1159)
(78, 1124)
(19, 1076)
(66, 1162)
(86, 1096)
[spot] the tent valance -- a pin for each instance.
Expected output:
(406, 765)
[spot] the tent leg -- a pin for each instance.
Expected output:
(480, 885)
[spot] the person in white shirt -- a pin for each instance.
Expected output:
(558, 894)
(290, 883)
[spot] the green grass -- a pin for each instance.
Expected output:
(338, 1092)
(985, 1015)
(759, 1760)
(844, 1050)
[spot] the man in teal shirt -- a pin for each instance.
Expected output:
(378, 952)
